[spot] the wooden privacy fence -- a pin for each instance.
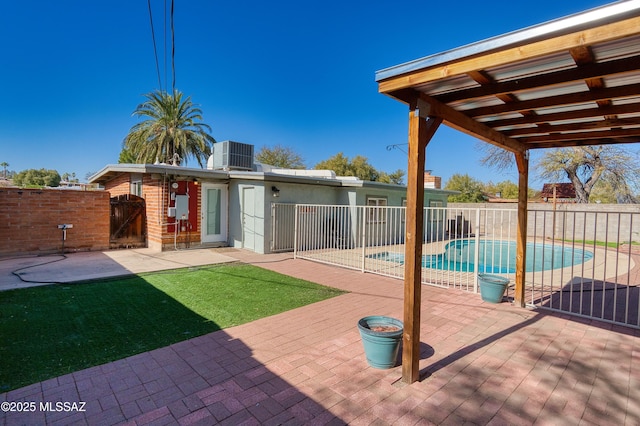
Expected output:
(128, 222)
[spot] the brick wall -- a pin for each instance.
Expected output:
(119, 186)
(29, 220)
(152, 192)
(160, 232)
(156, 192)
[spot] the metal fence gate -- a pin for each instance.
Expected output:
(583, 263)
(282, 227)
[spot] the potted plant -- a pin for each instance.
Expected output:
(381, 338)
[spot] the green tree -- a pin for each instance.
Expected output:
(70, 177)
(4, 166)
(506, 189)
(359, 167)
(583, 166)
(471, 190)
(172, 130)
(126, 157)
(280, 156)
(396, 177)
(603, 192)
(339, 163)
(37, 178)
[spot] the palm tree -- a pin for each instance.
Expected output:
(172, 132)
(4, 166)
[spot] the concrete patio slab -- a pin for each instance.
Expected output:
(41, 270)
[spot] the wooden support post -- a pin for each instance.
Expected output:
(522, 160)
(420, 132)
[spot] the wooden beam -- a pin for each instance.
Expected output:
(577, 136)
(468, 125)
(569, 115)
(569, 127)
(421, 131)
(522, 160)
(603, 33)
(559, 100)
(581, 73)
(585, 142)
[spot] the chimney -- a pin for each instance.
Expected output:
(434, 182)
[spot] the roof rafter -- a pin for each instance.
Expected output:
(562, 116)
(583, 125)
(585, 72)
(462, 122)
(592, 95)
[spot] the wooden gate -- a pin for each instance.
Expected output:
(128, 222)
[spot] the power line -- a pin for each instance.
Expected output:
(173, 54)
(165, 47)
(173, 47)
(155, 50)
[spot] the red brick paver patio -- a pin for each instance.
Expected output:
(481, 364)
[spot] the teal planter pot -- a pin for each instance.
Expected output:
(492, 287)
(381, 338)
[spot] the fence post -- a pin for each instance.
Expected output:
(295, 232)
(476, 255)
(364, 237)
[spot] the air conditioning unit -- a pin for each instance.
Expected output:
(230, 155)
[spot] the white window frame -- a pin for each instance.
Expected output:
(376, 215)
(135, 184)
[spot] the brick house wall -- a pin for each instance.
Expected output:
(119, 186)
(156, 193)
(29, 220)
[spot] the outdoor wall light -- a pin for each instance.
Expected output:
(275, 191)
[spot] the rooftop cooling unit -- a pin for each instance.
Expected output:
(229, 155)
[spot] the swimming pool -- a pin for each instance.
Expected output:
(495, 256)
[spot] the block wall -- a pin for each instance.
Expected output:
(29, 220)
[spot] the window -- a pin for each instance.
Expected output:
(375, 211)
(135, 185)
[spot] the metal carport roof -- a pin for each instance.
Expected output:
(569, 82)
(572, 81)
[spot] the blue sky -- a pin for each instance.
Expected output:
(298, 74)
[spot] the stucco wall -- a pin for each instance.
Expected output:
(262, 199)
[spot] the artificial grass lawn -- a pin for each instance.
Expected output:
(609, 244)
(53, 330)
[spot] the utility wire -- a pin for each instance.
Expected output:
(155, 50)
(173, 54)
(165, 47)
(173, 47)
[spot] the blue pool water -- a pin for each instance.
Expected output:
(496, 257)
